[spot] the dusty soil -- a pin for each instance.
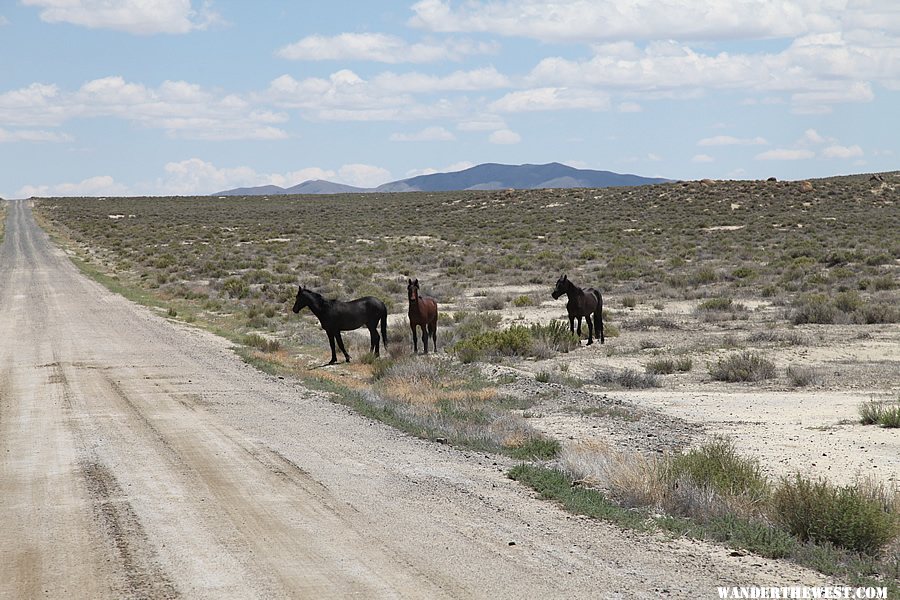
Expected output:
(814, 429)
(142, 458)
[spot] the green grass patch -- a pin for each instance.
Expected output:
(555, 485)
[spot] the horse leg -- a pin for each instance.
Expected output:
(433, 329)
(579, 327)
(415, 339)
(425, 337)
(590, 330)
(331, 343)
(373, 338)
(340, 342)
(572, 326)
(598, 316)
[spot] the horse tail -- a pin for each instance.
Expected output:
(598, 315)
(384, 337)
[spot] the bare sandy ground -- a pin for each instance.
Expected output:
(141, 458)
(812, 430)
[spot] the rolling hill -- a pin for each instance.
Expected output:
(488, 176)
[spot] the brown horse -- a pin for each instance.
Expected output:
(582, 303)
(423, 312)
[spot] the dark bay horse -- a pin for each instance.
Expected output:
(582, 303)
(336, 316)
(423, 312)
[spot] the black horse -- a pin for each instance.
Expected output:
(336, 316)
(582, 303)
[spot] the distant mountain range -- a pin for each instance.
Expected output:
(489, 176)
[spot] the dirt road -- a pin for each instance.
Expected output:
(142, 458)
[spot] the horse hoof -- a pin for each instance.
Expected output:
(589, 342)
(333, 362)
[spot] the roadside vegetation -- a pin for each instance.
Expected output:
(232, 265)
(713, 493)
(885, 413)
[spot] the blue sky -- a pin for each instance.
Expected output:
(158, 97)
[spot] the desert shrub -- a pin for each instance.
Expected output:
(667, 366)
(524, 300)
(467, 324)
(813, 308)
(844, 307)
(629, 301)
(716, 304)
(743, 273)
(803, 376)
(881, 312)
(884, 283)
(718, 466)
(744, 366)
(857, 517)
(255, 340)
(235, 287)
(627, 378)
(875, 412)
(847, 301)
(792, 338)
(683, 364)
(870, 412)
(660, 366)
(555, 335)
(703, 276)
(515, 341)
(890, 417)
(610, 330)
(491, 303)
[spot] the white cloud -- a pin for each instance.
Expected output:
(504, 136)
(811, 136)
(196, 176)
(629, 107)
(458, 166)
(478, 79)
(429, 134)
(837, 151)
(785, 154)
(32, 135)
(815, 72)
(142, 17)
(702, 158)
(551, 98)
(345, 96)
(101, 185)
(595, 20)
(361, 175)
(181, 109)
(482, 123)
(380, 47)
(728, 140)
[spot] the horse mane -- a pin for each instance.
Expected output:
(314, 294)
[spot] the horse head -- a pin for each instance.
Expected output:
(562, 287)
(302, 301)
(412, 290)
